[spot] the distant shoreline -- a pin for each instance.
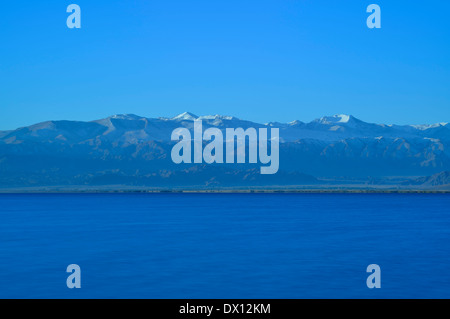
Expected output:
(227, 191)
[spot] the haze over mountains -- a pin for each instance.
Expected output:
(133, 151)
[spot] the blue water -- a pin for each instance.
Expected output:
(225, 245)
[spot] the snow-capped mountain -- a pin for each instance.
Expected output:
(136, 128)
(128, 148)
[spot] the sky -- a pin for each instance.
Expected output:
(261, 60)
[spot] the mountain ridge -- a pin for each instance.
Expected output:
(328, 127)
(343, 118)
(329, 148)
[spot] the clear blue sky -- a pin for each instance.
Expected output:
(262, 60)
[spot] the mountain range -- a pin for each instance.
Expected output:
(130, 151)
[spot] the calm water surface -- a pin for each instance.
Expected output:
(225, 245)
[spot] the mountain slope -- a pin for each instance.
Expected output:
(440, 179)
(129, 149)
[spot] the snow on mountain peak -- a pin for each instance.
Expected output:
(338, 118)
(126, 117)
(185, 116)
(424, 127)
(296, 122)
(216, 117)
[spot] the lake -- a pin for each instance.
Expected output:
(179, 245)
